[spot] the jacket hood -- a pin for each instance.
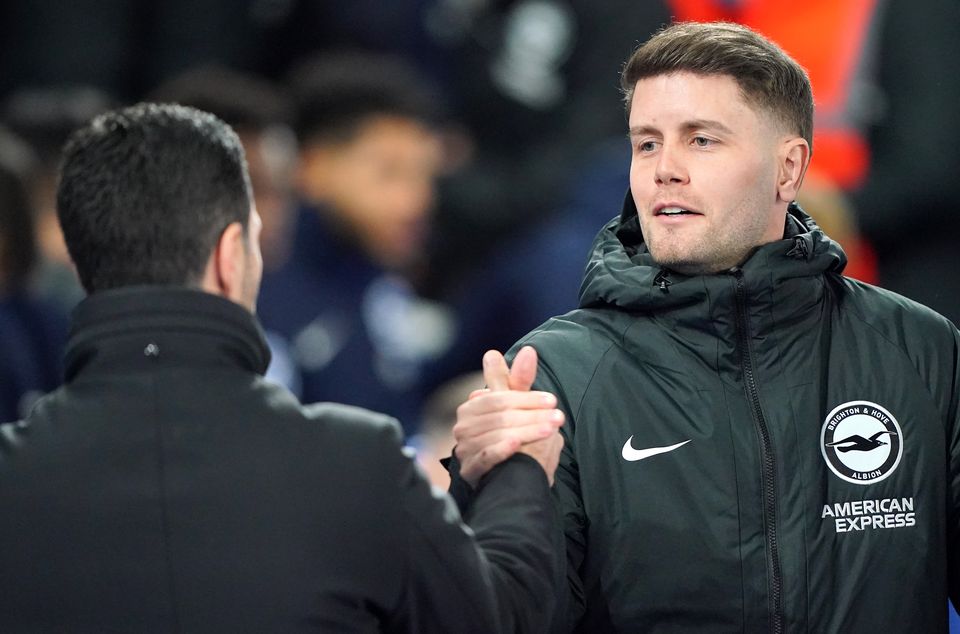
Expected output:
(621, 272)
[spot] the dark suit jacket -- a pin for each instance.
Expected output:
(167, 487)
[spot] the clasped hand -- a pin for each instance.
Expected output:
(506, 417)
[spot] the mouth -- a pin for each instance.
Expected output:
(672, 210)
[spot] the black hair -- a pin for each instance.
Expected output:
(45, 117)
(145, 193)
(335, 94)
(245, 102)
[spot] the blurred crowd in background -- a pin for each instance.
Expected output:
(431, 173)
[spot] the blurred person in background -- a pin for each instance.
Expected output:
(44, 117)
(168, 487)
(530, 81)
(434, 439)
(342, 310)
(543, 162)
(907, 205)
(261, 115)
(32, 331)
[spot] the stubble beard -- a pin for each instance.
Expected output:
(707, 254)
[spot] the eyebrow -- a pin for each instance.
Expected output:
(693, 124)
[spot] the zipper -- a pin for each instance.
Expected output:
(768, 470)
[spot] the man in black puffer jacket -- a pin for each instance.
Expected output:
(753, 441)
(166, 487)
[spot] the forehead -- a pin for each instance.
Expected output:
(387, 129)
(675, 98)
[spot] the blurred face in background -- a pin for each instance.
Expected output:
(271, 160)
(379, 185)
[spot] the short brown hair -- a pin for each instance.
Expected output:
(767, 76)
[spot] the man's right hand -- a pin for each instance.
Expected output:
(507, 417)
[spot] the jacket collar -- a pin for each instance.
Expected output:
(321, 243)
(129, 327)
(622, 273)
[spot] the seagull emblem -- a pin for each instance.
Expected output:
(859, 443)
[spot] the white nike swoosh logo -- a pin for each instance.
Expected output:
(632, 455)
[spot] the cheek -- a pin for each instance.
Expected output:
(748, 182)
(639, 188)
(640, 180)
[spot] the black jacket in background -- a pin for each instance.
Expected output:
(167, 487)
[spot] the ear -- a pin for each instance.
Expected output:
(793, 158)
(225, 270)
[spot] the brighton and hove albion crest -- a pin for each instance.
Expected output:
(861, 442)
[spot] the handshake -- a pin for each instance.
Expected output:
(506, 417)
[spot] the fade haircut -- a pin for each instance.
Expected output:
(768, 78)
(145, 193)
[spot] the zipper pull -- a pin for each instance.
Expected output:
(800, 250)
(662, 281)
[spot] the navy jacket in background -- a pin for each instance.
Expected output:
(32, 337)
(341, 328)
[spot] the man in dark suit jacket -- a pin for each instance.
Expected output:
(167, 487)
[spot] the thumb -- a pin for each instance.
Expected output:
(496, 374)
(524, 369)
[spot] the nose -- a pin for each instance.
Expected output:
(670, 167)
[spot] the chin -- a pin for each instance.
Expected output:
(686, 266)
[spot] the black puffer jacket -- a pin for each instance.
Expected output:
(774, 448)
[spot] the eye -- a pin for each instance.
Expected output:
(646, 146)
(702, 141)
